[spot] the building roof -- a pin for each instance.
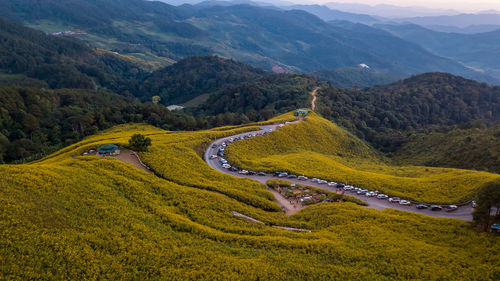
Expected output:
(107, 148)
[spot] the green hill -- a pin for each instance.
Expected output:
(78, 218)
(194, 76)
(58, 62)
(466, 148)
(385, 115)
(350, 77)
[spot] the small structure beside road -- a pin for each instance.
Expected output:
(108, 150)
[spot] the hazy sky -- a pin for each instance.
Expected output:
(463, 5)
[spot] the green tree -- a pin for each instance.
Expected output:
(156, 99)
(487, 198)
(139, 142)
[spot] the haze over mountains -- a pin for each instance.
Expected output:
(287, 40)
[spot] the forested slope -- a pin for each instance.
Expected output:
(384, 115)
(58, 62)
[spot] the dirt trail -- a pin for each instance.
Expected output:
(313, 93)
(290, 209)
(130, 157)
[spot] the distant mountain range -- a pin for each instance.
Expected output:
(291, 40)
(480, 51)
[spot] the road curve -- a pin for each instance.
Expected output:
(463, 213)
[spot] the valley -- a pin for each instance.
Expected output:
(241, 140)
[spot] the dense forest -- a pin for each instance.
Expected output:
(261, 99)
(385, 115)
(194, 76)
(35, 122)
(60, 62)
(352, 77)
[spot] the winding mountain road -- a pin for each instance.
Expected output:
(313, 102)
(462, 213)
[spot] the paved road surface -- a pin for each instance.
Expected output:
(313, 102)
(463, 213)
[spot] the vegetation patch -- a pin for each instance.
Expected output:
(80, 218)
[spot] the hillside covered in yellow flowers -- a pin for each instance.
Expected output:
(319, 148)
(70, 217)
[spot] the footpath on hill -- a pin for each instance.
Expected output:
(313, 102)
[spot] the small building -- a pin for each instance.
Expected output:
(108, 150)
(301, 112)
(175, 107)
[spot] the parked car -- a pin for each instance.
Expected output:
(251, 173)
(361, 192)
(302, 178)
(292, 176)
(404, 202)
(233, 169)
(339, 185)
(332, 184)
(371, 194)
(315, 180)
(214, 145)
(282, 175)
(473, 204)
(382, 196)
(322, 182)
(226, 166)
(451, 208)
(422, 206)
(213, 156)
(394, 199)
(261, 174)
(275, 174)
(436, 208)
(243, 172)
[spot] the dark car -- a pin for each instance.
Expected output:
(282, 175)
(276, 174)
(251, 173)
(422, 206)
(292, 176)
(339, 185)
(233, 169)
(436, 208)
(261, 174)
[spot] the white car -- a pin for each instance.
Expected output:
(394, 199)
(332, 183)
(302, 178)
(243, 172)
(404, 202)
(226, 166)
(370, 194)
(213, 156)
(382, 196)
(315, 180)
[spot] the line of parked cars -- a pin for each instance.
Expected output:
(350, 188)
(368, 193)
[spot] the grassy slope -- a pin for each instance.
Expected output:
(81, 218)
(318, 148)
(463, 148)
